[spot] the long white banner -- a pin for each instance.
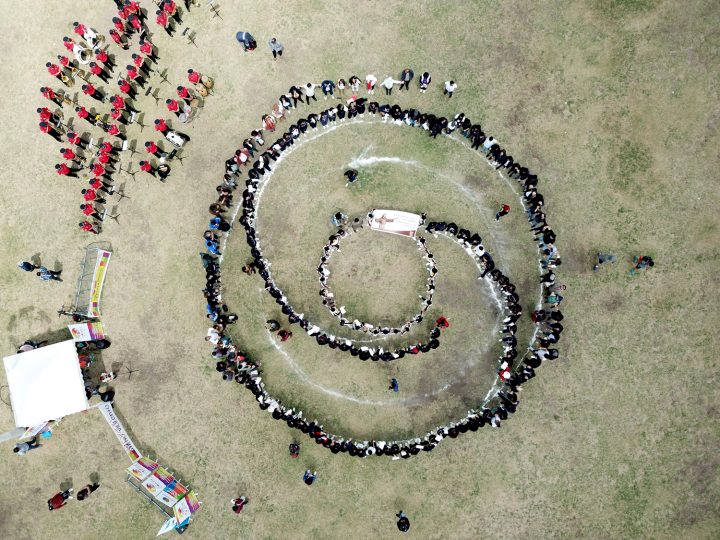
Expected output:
(117, 427)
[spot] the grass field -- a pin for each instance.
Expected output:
(613, 103)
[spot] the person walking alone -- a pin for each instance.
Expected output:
(48, 275)
(24, 447)
(27, 266)
(85, 492)
(58, 500)
(276, 47)
(450, 87)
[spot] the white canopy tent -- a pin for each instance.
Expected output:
(45, 384)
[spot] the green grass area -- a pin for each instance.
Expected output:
(613, 104)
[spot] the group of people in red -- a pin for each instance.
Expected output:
(85, 58)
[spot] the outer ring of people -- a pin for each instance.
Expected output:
(234, 365)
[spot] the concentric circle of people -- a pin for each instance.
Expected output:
(255, 164)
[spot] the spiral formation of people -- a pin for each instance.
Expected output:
(321, 270)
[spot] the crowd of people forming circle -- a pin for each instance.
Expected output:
(339, 312)
(254, 163)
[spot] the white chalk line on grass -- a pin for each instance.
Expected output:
(368, 161)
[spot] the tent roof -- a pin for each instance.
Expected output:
(45, 384)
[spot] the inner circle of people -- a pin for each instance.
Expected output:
(252, 163)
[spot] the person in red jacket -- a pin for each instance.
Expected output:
(173, 106)
(146, 47)
(91, 195)
(99, 170)
(98, 185)
(66, 62)
(108, 148)
(89, 210)
(147, 167)
(49, 94)
(161, 19)
(83, 113)
(46, 115)
(118, 115)
(55, 71)
(185, 94)
(58, 500)
(119, 103)
(68, 154)
(171, 9)
(90, 227)
(76, 139)
(47, 128)
(161, 126)
(504, 211)
(89, 90)
(117, 38)
(69, 44)
(194, 76)
(79, 29)
(139, 61)
(442, 322)
(119, 26)
(135, 23)
(114, 130)
(64, 170)
(104, 58)
(135, 76)
(126, 88)
(152, 148)
(99, 72)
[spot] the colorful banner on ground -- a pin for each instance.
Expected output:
(168, 526)
(87, 331)
(142, 468)
(117, 427)
(186, 507)
(395, 222)
(97, 282)
(35, 430)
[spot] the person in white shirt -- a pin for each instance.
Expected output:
(309, 89)
(370, 82)
(388, 84)
(450, 87)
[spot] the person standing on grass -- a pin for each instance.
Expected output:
(370, 82)
(276, 47)
(641, 262)
(388, 84)
(504, 211)
(89, 227)
(246, 40)
(309, 477)
(450, 87)
(406, 76)
(425, 80)
(238, 504)
(24, 447)
(309, 89)
(48, 275)
(27, 266)
(85, 492)
(604, 258)
(58, 500)
(403, 523)
(328, 88)
(394, 385)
